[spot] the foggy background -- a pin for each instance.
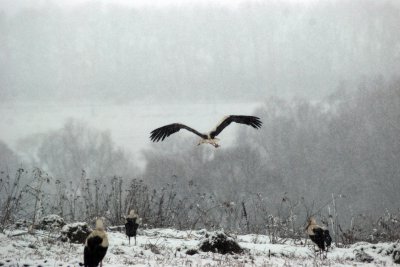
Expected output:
(82, 84)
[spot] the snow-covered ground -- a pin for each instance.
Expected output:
(167, 247)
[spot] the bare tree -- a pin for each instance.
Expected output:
(76, 147)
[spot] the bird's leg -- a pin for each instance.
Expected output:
(214, 142)
(326, 253)
(135, 240)
(316, 252)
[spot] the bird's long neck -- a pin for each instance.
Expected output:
(99, 225)
(311, 225)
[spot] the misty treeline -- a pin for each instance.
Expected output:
(276, 47)
(337, 160)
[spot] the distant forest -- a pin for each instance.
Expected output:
(122, 54)
(348, 146)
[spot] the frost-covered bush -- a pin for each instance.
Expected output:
(362, 256)
(75, 232)
(220, 242)
(363, 228)
(389, 227)
(21, 223)
(191, 251)
(51, 222)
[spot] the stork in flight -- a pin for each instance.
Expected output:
(161, 133)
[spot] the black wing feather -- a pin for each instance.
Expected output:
(94, 241)
(318, 231)
(328, 238)
(161, 133)
(131, 227)
(253, 121)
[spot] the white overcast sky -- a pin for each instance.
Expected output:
(10, 6)
(15, 4)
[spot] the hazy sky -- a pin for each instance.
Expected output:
(12, 5)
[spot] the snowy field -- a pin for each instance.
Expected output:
(167, 247)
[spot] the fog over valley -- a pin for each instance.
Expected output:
(129, 124)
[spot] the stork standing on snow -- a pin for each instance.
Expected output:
(96, 246)
(318, 235)
(206, 138)
(131, 225)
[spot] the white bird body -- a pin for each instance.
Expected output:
(211, 141)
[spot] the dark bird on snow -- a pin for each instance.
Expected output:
(318, 235)
(206, 138)
(96, 246)
(131, 225)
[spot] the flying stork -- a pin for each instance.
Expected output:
(161, 133)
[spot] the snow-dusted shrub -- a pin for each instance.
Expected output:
(202, 232)
(365, 228)
(192, 251)
(389, 227)
(75, 232)
(21, 223)
(11, 194)
(117, 251)
(153, 248)
(362, 256)
(117, 228)
(220, 242)
(51, 222)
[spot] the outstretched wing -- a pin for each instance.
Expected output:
(255, 122)
(165, 131)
